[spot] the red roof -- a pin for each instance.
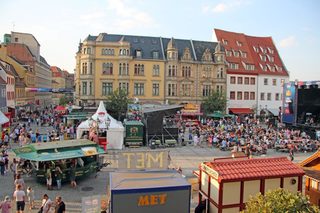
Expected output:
(241, 110)
(261, 52)
(244, 168)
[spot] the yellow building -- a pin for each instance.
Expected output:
(152, 69)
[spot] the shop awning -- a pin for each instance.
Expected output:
(216, 114)
(241, 110)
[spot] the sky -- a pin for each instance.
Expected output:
(60, 25)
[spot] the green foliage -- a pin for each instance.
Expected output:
(64, 100)
(118, 103)
(278, 201)
(215, 102)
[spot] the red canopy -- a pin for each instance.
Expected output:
(60, 108)
(241, 110)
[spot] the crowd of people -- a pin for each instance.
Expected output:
(248, 136)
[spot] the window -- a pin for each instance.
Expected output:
(314, 184)
(233, 66)
(138, 69)
(219, 89)
(107, 51)
(156, 70)
(256, 49)
(236, 53)
(84, 88)
(107, 88)
(124, 52)
(90, 68)
(263, 67)
(270, 58)
(172, 89)
(186, 90)
(155, 55)
(107, 68)
(155, 89)
(124, 86)
(84, 68)
(269, 96)
(249, 67)
(277, 97)
(138, 53)
(90, 88)
(232, 95)
(228, 53)
(265, 81)
(263, 57)
(206, 90)
(220, 73)
(138, 89)
(239, 80)
(246, 96)
(88, 50)
(252, 96)
(246, 80)
(172, 71)
(239, 95)
(225, 42)
(262, 96)
(244, 54)
(16, 39)
(123, 69)
(274, 82)
(239, 43)
(232, 80)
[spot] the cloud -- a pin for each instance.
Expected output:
(224, 6)
(220, 8)
(288, 42)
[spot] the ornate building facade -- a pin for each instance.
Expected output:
(152, 69)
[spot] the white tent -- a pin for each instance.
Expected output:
(115, 131)
(3, 118)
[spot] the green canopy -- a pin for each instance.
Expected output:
(216, 114)
(57, 150)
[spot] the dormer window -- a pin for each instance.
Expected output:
(239, 43)
(256, 49)
(236, 53)
(155, 55)
(263, 57)
(225, 42)
(244, 54)
(138, 53)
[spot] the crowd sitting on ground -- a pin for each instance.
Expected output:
(248, 136)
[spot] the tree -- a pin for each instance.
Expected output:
(215, 102)
(64, 100)
(280, 200)
(118, 103)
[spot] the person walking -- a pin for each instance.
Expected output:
(19, 195)
(58, 176)
(14, 168)
(2, 164)
(5, 205)
(60, 206)
(19, 181)
(30, 195)
(46, 204)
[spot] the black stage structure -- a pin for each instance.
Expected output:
(156, 126)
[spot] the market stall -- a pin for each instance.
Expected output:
(149, 191)
(111, 131)
(42, 156)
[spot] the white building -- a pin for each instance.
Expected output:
(255, 73)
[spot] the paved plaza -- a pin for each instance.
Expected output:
(187, 157)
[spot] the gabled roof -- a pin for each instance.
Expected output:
(261, 52)
(309, 160)
(244, 168)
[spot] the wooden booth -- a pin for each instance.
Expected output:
(227, 183)
(311, 166)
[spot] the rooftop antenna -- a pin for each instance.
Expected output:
(13, 25)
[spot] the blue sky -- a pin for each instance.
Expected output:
(60, 24)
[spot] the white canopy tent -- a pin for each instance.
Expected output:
(115, 130)
(3, 118)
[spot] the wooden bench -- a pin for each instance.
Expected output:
(170, 142)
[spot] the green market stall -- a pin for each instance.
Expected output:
(134, 133)
(84, 154)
